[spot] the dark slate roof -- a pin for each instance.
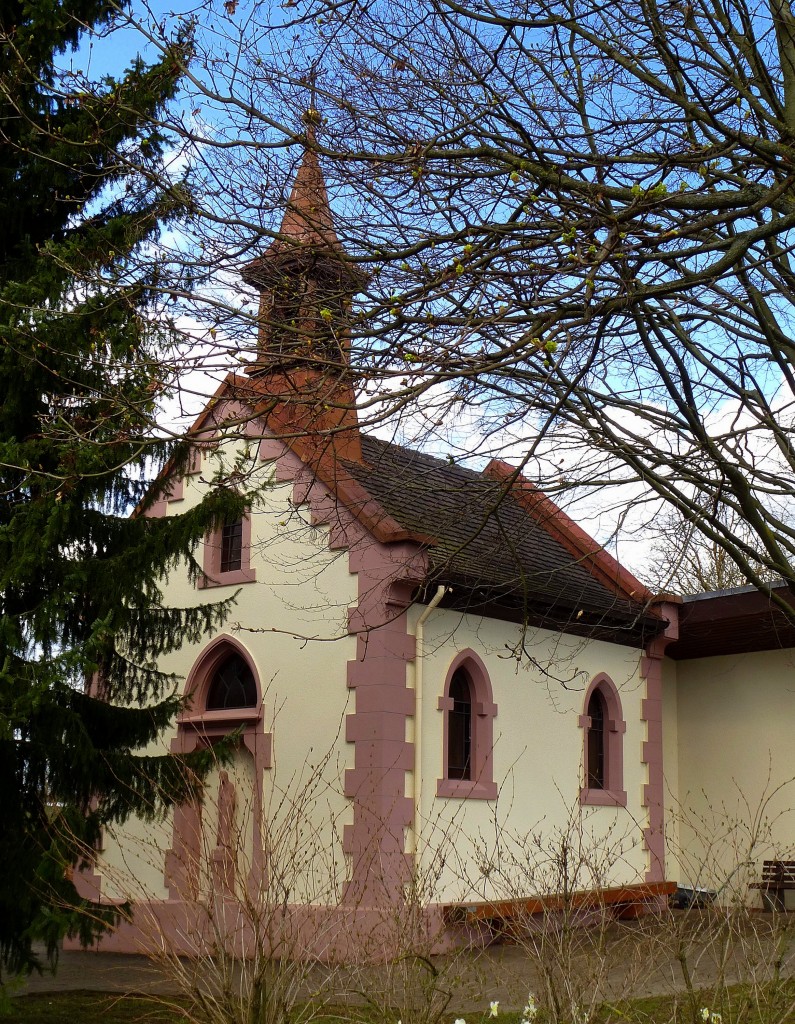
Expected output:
(492, 552)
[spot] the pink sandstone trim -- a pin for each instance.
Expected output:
(157, 509)
(332, 934)
(482, 785)
(613, 794)
(200, 676)
(654, 790)
(88, 882)
(172, 487)
(175, 490)
(317, 446)
(223, 862)
(387, 575)
(197, 727)
(211, 562)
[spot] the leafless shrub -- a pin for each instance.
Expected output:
(252, 938)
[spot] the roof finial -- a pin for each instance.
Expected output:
(311, 116)
(311, 119)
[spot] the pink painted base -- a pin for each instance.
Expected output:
(338, 934)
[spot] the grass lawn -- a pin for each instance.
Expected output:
(738, 1005)
(87, 1008)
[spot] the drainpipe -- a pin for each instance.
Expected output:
(419, 652)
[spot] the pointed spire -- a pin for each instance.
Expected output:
(305, 279)
(306, 284)
(307, 220)
(307, 229)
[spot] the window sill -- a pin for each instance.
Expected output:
(465, 789)
(227, 579)
(236, 715)
(212, 725)
(603, 797)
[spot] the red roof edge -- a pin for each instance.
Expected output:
(600, 563)
(367, 511)
(318, 453)
(161, 479)
(323, 443)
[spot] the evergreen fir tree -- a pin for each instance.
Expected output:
(79, 576)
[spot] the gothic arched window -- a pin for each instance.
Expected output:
(603, 745)
(459, 728)
(467, 730)
(232, 686)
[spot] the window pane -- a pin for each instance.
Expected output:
(459, 729)
(596, 741)
(232, 546)
(233, 686)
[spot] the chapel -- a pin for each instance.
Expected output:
(436, 677)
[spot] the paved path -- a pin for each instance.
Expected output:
(639, 961)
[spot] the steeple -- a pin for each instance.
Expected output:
(307, 219)
(306, 282)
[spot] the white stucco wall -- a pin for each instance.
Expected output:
(293, 622)
(508, 847)
(736, 764)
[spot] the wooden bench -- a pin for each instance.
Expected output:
(777, 877)
(507, 917)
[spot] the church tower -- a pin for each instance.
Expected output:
(306, 284)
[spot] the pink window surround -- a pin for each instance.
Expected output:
(211, 725)
(211, 563)
(481, 784)
(612, 794)
(176, 489)
(196, 728)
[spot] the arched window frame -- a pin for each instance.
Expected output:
(459, 721)
(227, 692)
(612, 794)
(212, 574)
(481, 784)
(197, 727)
(207, 725)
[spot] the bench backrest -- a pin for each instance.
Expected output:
(778, 871)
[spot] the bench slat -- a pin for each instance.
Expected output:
(777, 876)
(519, 909)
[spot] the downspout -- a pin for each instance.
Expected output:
(419, 652)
